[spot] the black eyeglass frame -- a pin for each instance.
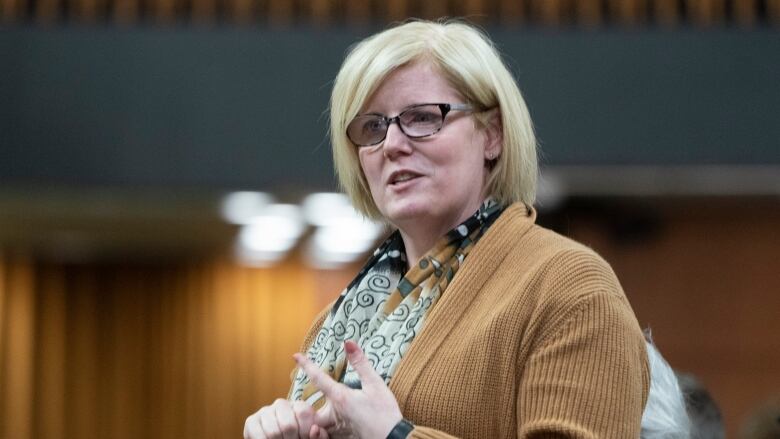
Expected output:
(443, 107)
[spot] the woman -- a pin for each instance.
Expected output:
(470, 321)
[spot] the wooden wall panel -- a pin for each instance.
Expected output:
(153, 352)
(745, 12)
(707, 284)
(189, 350)
(17, 356)
(51, 353)
(549, 13)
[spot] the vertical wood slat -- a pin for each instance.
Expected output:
(547, 12)
(511, 12)
(195, 299)
(83, 412)
(628, 12)
(357, 11)
(227, 344)
(241, 11)
(706, 12)
(204, 11)
(434, 9)
(163, 11)
(666, 12)
(245, 326)
(744, 12)
(84, 10)
(476, 10)
(16, 399)
(11, 10)
(127, 352)
(773, 12)
(51, 356)
(319, 11)
(588, 12)
(397, 10)
(3, 321)
(46, 11)
(125, 12)
(281, 12)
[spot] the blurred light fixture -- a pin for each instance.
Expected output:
(242, 207)
(550, 192)
(342, 234)
(268, 236)
(327, 208)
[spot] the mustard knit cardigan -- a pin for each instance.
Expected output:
(534, 338)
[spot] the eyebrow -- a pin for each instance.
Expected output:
(374, 113)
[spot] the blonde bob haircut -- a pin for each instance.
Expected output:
(468, 60)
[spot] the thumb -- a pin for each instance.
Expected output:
(317, 432)
(326, 416)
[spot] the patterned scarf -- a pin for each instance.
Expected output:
(383, 310)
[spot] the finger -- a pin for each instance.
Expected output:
(367, 374)
(252, 429)
(285, 419)
(304, 414)
(320, 379)
(268, 423)
(317, 432)
(323, 434)
(326, 417)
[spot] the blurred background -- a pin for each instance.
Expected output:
(168, 221)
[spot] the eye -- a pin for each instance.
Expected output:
(373, 125)
(422, 116)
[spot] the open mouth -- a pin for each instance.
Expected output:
(402, 177)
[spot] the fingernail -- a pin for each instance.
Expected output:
(298, 358)
(350, 346)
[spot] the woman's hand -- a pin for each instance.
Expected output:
(284, 420)
(368, 413)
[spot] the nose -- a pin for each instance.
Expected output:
(396, 143)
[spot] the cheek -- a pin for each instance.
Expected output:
(465, 167)
(371, 169)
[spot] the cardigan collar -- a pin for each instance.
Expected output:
(483, 261)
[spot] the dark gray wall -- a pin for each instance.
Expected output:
(226, 108)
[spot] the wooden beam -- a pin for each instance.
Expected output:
(319, 12)
(588, 12)
(125, 11)
(434, 9)
(281, 12)
(511, 12)
(666, 12)
(11, 11)
(357, 11)
(744, 12)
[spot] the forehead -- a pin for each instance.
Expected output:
(415, 83)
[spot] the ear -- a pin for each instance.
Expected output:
(494, 135)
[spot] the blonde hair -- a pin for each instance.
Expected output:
(469, 61)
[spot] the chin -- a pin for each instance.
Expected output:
(407, 210)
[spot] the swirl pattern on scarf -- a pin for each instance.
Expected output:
(383, 309)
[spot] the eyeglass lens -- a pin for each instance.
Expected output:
(418, 121)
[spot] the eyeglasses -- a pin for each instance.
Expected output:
(418, 121)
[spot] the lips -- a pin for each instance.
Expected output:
(401, 176)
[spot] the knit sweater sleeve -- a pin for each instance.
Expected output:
(586, 375)
(582, 372)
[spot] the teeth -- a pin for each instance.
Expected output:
(403, 177)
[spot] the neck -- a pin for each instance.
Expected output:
(418, 243)
(420, 236)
